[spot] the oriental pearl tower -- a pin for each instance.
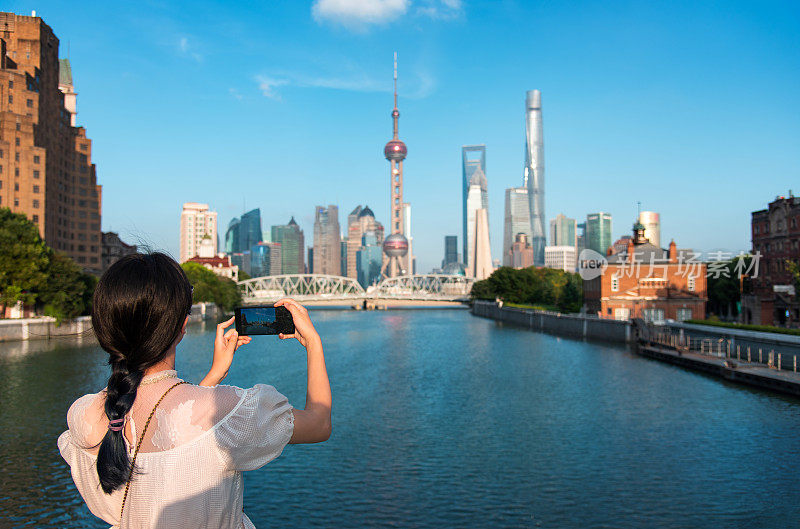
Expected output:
(395, 246)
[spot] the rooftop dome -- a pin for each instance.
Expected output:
(366, 212)
(395, 151)
(395, 245)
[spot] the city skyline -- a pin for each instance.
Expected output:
(632, 112)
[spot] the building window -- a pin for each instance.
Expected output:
(16, 186)
(622, 314)
(19, 126)
(36, 203)
(653, 315)
(35, 189)
(36, 219)
(16, 156)
(16, 202)
(614, 284)
(10, 99)
(16, 141)
(690, 284)
(29, 103)
(11, 84)
(16, 171)
(36, 173)
(684, 314)
(36, 159)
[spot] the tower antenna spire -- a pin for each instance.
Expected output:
(395, 79)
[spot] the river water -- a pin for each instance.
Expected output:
(442, 419)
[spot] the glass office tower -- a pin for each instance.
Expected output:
(534, 172)
(292, 242)
(598, 232)
(475, 193)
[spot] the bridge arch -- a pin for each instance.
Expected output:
(302, 287)
(442, 287)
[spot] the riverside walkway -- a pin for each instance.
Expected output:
(763, 369)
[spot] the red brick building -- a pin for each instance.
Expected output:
(648, 282)
(776, 237)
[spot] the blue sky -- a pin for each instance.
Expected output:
(689, 107)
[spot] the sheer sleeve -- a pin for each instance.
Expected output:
(257, 430)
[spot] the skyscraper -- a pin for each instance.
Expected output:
(265, 259)
(475, 192)
(450, 250)
(517, 219)
(250, 229)
(232, 236)
(327, 241)
(46, 170)
(369, 259)
(480, 252)
(196, 221)
(563, 231)
(292, 242)
(598, 232)
(534, 172)
(652, 226)
(395, 247)
(360, 221)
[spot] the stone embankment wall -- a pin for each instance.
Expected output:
(44, 328)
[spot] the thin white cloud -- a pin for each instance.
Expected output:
(235, 93)
(267, 85)
(358, 14)
(186, 49)
(441, 9)
(423, 86)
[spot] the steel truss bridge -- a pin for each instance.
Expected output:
(321, 289)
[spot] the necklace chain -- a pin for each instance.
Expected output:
(159, 378)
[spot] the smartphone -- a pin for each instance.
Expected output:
(263, 319)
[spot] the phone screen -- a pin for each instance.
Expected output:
(263, 320)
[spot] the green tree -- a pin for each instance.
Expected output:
(66, 288)
(532, 286)
(23, 260)
(211, 288)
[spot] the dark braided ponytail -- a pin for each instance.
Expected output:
(139, 308)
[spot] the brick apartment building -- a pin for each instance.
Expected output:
(648, 282)
(46, 171)
(776, 237)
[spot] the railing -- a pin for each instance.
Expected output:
(717, 348)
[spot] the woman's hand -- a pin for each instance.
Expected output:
(304, 330)
(225, 345)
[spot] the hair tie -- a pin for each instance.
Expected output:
(116, 425)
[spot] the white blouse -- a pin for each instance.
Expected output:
(189, 468)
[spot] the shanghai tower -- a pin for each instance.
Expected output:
(534, 172)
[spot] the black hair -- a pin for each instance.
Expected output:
(138, 311)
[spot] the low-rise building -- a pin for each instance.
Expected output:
(648, 282)
(561, 258)
(220, 264)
